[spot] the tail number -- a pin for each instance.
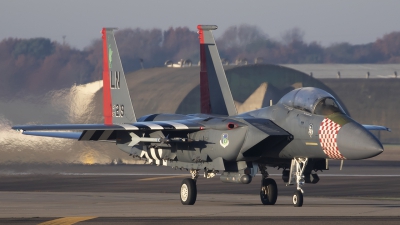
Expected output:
(118, 110)
(115, 81)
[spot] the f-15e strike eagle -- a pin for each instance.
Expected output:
(299, 133)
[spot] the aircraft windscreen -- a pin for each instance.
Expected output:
(327, 106)
(312, 100)
(288, 99)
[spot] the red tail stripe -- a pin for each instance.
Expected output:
(205, 105)
(107, 108)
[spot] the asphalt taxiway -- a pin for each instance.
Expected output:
(363, 192)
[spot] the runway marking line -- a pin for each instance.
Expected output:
(67, 220)
(161, 178)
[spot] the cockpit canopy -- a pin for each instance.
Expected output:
(312, 100)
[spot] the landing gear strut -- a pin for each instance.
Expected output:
(296, 176)
(188, 191)
(269, 189)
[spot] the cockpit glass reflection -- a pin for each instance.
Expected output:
(327, 106)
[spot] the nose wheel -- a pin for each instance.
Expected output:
(297, 199)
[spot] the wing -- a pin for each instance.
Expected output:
(68, 135)
(117, 107)
(103, 132)
(374, 127)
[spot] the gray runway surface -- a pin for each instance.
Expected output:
(220, 220)
(142, 194)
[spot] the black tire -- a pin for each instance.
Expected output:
(269, 195)
(188, 193)
(297, 199)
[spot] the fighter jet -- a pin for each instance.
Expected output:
(298, 134)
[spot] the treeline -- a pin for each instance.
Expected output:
(37, 65)
(245, 41)
(28, 65)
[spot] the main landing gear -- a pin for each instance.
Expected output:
(188, 191)
(296, 176)
(269, 189)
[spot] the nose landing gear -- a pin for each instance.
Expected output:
(297, 176)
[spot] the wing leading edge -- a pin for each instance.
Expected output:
(143, 126)
(68, 135)
(103, 132)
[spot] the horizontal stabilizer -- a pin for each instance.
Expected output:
(374, 127)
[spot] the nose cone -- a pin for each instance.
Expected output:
(355, 142)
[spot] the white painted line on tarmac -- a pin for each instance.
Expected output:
(181, 174)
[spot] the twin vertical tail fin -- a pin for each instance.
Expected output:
(117, 104)
(215, 94)
(216, 97)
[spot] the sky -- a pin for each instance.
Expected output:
(324, 21)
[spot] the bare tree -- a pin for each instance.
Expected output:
(293, 35)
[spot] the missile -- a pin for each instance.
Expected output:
(136, 139)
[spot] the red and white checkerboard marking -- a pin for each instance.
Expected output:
(328, 131)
